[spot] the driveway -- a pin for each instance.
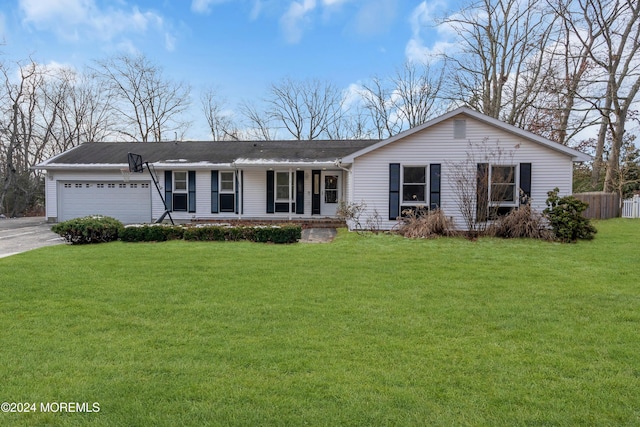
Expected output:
(23, 234)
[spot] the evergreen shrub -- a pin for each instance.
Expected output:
(89, 229)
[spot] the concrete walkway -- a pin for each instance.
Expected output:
(318, 235)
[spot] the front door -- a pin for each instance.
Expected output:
(330, 193)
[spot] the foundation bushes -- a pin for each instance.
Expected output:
(425, 224)
(566, 218)
(89, 229)
(213, 233)
(152, 233)
(523, 222)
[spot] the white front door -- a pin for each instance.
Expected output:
(330, 194)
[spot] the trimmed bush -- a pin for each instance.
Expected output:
(566, 219)
(89, 229)
(283, 234)
(152, 233)
(212, 233)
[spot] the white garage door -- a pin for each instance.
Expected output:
(128, 202)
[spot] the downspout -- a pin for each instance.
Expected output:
(338, 164)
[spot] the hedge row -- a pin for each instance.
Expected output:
(96, 229)
(262, 234)
(152, 233)
(211, 233)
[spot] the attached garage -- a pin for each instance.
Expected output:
(129, 202)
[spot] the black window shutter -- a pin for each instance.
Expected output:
(237, 200)
(214, 192)
(168, 190)
(299, 192)
(482, 192)
(525, 183)
(394, 190)
(271, 197)
(434, 186)
(192, 190)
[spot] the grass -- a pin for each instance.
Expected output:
(374, 330)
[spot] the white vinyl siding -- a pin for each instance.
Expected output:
(437, 144)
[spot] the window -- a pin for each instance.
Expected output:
(283, 186)
(284, 192)
(227, 191)
(414, 183)
(414, 190)
(179, 181)
(503, 185)
(179, 191)
(226, 182)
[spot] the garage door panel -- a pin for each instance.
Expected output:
(127, 202)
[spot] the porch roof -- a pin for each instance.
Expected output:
(203, 153)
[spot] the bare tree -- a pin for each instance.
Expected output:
(147, 104)
(500, 68)
(377, 97)
(18, 133)
(416, 93)
(259, 124)
(609, 31)
(220, 124)
(405, 100)
(306, 109)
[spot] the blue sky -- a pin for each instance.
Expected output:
(238, 46)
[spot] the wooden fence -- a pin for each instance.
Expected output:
(601, 205)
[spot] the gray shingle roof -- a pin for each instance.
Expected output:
(215, 152)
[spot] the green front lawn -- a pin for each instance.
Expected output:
(364, 331)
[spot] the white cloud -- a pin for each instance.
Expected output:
(169, 42)
(333, 3)
(75, 20)
(352, 96)
(256, 10)
(204, 6)
(296, 18)
(375, 17)
(422, 19)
